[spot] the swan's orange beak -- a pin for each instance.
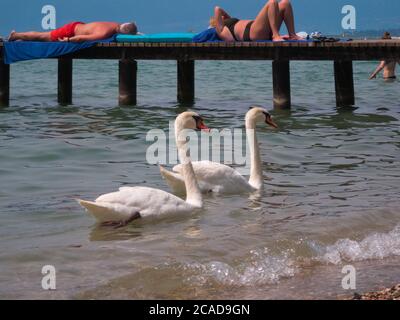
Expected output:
(269, 121)
(202, 126)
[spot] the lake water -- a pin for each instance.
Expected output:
(331, 198)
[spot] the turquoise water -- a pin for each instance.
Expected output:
(331, 196)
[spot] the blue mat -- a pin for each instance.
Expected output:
(157, 37)
(209, 35)
(15, 51)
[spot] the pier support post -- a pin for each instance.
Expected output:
(186, 81)
(4, 84)
(344, 83)
(127, 82)
(64, 81)
(281, 84)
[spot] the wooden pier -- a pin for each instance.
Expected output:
(341, 53)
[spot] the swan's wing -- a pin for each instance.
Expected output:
(218, 177)
(129, 201)
(174, 180)
(208, 170)
(146, 201)
(104, 212)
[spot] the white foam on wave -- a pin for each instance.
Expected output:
(375, 246)
(263, 267)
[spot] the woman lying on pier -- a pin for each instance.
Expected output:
(77, 32)
(265, 26)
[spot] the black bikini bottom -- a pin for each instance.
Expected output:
(393, 77)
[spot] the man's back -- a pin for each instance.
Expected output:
(106, 29)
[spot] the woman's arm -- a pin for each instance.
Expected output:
(220, 15)
(378, 69)
(219, 19)
(225, 15)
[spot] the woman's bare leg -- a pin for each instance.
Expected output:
(286, 15)
(29, 36)
(267, 22)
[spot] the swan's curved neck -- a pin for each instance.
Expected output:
(193, 193)
(256, 173)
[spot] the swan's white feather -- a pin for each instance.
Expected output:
(214, 177)
(174, 180)
(122, 204)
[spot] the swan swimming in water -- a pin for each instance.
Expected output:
(220, 178)
(129, 203)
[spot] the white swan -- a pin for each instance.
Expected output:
(121, 207)
(220, 178)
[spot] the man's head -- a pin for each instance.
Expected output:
(128, 28)
(386, 36)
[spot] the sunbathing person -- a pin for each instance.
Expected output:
(265, 26)
(77, 32)
(388, 66)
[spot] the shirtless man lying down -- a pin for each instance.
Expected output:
(77, 32)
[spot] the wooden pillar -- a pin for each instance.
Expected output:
(281, 83)
(64, 81)
(344, 83)
(4, 84)
(127, 82)
(186, 81)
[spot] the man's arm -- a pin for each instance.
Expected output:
(378, 69)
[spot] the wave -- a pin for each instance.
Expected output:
(375, 246)
(263, 267)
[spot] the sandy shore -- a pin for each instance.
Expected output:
(385, 294)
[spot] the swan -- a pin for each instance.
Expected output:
(129, 203)
(220, 178)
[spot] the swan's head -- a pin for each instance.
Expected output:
(190, 120)
(258, 114)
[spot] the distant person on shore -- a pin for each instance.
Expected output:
(388, 66)
(264, 27)
(77, 32)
